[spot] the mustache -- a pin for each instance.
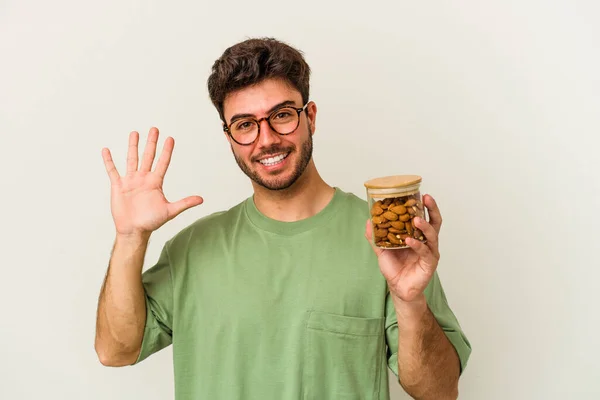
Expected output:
(272, 151)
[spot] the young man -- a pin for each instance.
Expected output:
(282, 296)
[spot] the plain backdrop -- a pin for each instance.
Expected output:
(495, 103)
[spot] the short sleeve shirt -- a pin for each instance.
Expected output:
(262, 309)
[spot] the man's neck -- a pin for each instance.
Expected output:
(305, 198)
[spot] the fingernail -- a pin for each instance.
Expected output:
(417, 220)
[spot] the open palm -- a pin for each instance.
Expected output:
(138, 203)
(408, 271)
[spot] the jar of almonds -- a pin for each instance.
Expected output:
(394, 202)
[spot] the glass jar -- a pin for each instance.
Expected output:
(394, 201)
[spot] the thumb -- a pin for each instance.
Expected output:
(180, 206)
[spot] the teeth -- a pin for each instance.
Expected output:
(273, 160)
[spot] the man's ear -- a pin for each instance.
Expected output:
(311, 111)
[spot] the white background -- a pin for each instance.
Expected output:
(495, 103)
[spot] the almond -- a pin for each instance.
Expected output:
(379, 219)
(394, 230)
(397, 224)
(381, 233)
(390, 216)
(384, 225)
(376, 210)
(410, 203)
(398, 210)
(393, 239)
(404, 217)
(409, 229)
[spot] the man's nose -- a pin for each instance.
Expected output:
(267, 136)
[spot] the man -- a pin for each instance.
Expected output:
(281, 296)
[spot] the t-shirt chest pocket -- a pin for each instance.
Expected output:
(344, 356)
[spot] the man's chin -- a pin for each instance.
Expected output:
(274, 182)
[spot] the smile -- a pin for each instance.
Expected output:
(273, 160)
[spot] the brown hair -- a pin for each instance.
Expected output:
(252, 61)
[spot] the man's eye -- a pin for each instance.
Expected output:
(244, 125)
(283, 114)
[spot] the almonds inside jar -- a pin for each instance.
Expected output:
(392, 219)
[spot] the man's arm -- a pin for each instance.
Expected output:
(138, 207)
(121, 313)
(428, 364)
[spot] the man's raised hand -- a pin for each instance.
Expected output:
(138, 203)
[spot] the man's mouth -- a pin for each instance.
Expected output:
(269, 161)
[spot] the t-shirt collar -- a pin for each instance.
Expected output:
(263, 222)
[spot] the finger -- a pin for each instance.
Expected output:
(165, 157)
(113, 174)
(174, 209)
(132, 152)
(430, 233)
(150, 150)
(424, 252)
(369, 236)
(435, 217)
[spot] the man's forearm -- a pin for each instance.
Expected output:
(121, 307)
(428, 365)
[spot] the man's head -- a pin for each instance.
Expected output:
(252, 81)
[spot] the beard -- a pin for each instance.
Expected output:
(275, 182)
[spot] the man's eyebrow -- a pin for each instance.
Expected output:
(275, 107)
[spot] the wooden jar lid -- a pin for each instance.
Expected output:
(392, 181)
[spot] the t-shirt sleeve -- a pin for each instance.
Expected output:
(438, 304)
(158, 290)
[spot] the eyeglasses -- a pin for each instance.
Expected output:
(284, 121)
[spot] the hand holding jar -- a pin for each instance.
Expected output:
(406, 244)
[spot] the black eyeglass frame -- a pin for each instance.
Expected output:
(227, 128)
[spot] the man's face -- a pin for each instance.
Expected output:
(273, 161)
